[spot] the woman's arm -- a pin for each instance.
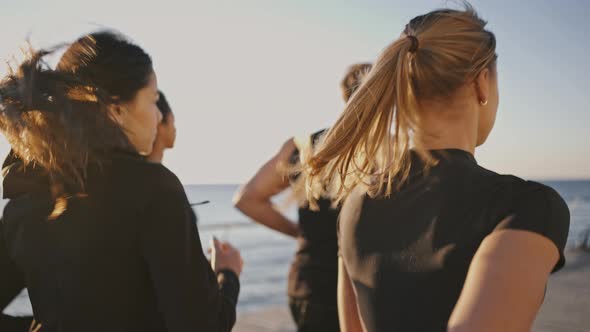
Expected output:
(191, 296)
(347, 306)
(254, 199)
(505, 284)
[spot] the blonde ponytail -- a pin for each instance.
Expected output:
(437, 54)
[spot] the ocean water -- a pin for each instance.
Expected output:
(577, 196)
(267, 254)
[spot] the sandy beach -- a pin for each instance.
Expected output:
(566, 307)
(567, 303)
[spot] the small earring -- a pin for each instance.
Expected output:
(483, 102)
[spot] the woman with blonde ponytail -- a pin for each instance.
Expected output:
(430, 240)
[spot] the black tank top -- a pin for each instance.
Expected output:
(314, 272)
(408, 255)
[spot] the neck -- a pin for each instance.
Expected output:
(157, 154)
(449, 127)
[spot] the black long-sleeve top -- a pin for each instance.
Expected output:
(126, 256)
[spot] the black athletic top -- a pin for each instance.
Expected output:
(314, 271)
(125, 258)
(408, 255)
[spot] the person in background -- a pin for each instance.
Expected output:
(166, 131)
(313, 272)
(103, 239)
(430, 240)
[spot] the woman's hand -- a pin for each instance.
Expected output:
(225, 256)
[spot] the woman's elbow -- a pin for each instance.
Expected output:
(243, 199)
(239, 199)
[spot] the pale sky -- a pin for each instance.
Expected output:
(243, 76)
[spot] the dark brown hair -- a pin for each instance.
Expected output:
(61, 120)
(164, 107)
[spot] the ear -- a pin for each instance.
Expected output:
(482, 86)
(117, 111)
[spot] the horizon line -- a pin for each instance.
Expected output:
(531, 179)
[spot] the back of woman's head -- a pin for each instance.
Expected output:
(353, 78)
(437, 54)
(164, 107)
(62, 120)
(109, 61)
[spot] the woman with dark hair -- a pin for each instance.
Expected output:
(314, 271)
(103, 239)
(430, 240)
(166, 131)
